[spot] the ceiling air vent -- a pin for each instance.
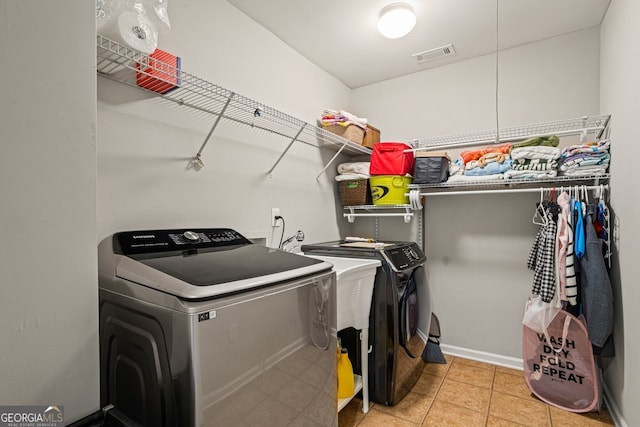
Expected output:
(430, 55)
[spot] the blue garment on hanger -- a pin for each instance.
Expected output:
(595, 286)
(578, 232)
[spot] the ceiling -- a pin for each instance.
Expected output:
(341, 36)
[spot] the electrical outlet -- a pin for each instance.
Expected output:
(274, 213)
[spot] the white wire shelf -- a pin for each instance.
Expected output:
(377, 207)
(595, 125)
(509, 185)
(122, 64)
(353, 212)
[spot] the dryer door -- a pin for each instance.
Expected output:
(412, 306)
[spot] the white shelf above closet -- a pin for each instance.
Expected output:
(585, 126)
(120, 63)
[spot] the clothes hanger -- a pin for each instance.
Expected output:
(585, 200)
(540, 214)
(552, 205)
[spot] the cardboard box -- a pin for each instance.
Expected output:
(371, 137)
(351, 132)
(162, 73)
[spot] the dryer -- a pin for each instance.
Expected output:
(400, 298)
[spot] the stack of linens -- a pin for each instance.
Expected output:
(585, 159)
(535, 158)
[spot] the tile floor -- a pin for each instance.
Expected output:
(467, 393)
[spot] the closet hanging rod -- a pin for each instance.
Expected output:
(504, 139)
(516, 190)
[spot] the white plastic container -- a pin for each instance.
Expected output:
(355, 279)
(354, 282)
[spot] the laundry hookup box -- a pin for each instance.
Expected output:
(161, 73)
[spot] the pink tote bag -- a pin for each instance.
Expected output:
(559, 367)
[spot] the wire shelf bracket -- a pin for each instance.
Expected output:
(294, 139)
(197, 162)
(330, 162)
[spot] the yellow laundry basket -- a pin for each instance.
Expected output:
(389, 189)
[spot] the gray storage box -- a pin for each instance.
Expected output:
(430, 168)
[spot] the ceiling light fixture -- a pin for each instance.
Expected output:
(396, 20)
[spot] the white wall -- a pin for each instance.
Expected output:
(143, 180)
(619, 93)
(477, 246)
(47, 186)
(48, 296)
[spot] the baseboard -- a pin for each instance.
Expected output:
(614, 411)
(482, 356)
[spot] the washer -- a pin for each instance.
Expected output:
(400, 297)
(200, 327)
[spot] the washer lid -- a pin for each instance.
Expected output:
(214, 266)
(202, 263)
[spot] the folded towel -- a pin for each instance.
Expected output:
(586, 171)
(578, 162)
(551, 141)
(492, 168)
(468, 156)
(342, 118)
(590, 147)
(464, 178)
(361, 168)
(486, 159)
(536, 152)
(350, 176)
(585, 159)
(534, 164)
(353, 118)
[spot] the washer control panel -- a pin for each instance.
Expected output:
(151, 241)
(405, 257)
